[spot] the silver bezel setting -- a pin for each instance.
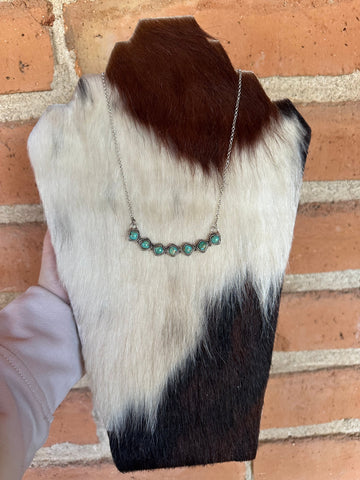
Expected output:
(185, 244)
(141, 240)
(212, 234)
(133, 230)
(157, 245)
(167, 250)
(207, 245)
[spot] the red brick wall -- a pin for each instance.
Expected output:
(307, 51)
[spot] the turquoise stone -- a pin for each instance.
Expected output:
(187, 248)
(133, 235)
(158, 249)
(202, 246)
(215, 239)
(145, 244)
(172, 250)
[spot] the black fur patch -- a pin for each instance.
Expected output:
(211, 410)
(83, 90)
(288, 109)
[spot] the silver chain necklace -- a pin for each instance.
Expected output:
(187, 248)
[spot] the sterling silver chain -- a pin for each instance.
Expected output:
(117, 152)
(222, 183)
(228, 155)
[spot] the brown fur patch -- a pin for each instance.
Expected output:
(178, 81)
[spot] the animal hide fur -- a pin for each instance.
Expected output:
(177, 350)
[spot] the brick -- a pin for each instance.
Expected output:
(318, 320)
(316, 459)
(221, 471)
(20, 256)
(94, 472)
(73, 421)
(26, 58)
(311, 397)
(326, 238)
(17, 182)
(335, 143)
(270, 38)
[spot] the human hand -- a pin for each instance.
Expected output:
(49, 278)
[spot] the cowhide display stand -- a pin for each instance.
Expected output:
(177, 348)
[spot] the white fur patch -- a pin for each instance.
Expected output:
(140, 316)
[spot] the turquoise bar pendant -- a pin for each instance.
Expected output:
(173, 250)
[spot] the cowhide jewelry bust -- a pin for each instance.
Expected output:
(177, 350)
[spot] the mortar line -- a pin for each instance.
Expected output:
(62, 54)
(26, 213)
(7, 297)
(68, 453)
(344, 427)
(314, 360)
(315, 282)
(330, 191)
(249, 473)
(317, 88)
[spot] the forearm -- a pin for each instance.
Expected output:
(40, 361)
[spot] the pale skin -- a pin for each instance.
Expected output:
(48, 277)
